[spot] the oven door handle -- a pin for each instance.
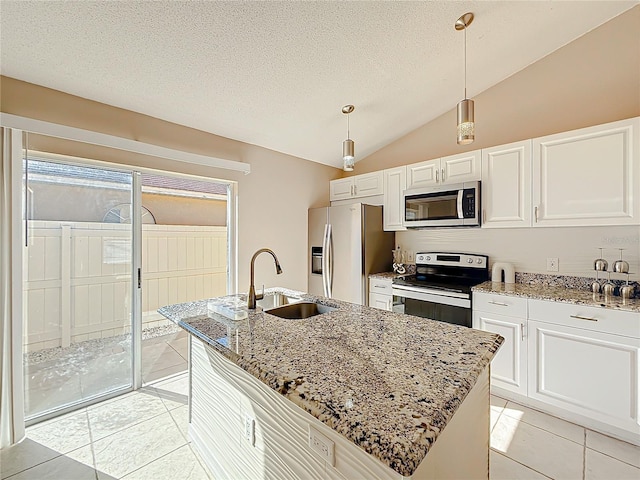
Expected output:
(459, 203)
(398, 289)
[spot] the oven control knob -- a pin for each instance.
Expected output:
(479, 260)
(469, 260)
(428, 258)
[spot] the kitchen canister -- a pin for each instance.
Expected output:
(503, 269)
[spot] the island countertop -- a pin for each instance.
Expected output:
(386, 381)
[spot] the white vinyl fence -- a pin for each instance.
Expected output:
(78, 277)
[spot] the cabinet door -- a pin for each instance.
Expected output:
(509, 366)
(463, 167)
(506, 185)
(368, 184)
(395, 182)
(586, 372)
(588, 177)
(423, 174)
(341, 189)
(379, 301)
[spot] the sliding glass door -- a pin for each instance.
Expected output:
(78, 295)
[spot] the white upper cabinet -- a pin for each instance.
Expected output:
(341, 189)
(506, 185)
(368, 184)
(463, 167)
(423, 174)
(395, 182)
(364, 185)
(589, 176)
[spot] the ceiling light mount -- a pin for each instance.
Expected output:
(465, 110)
(464, 21)
(348, 156)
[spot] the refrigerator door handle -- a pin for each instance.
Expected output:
(329, 262)
(325, 258)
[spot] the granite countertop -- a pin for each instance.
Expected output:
(386, 381)
(386, 275)
(559, 294)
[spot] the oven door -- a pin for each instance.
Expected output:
(449, 307)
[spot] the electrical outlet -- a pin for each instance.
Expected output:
(250, 430)
(552, 264)
(409, 257)
(322, 446)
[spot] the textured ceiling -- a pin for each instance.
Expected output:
(276, 74)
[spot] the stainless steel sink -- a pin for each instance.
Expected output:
(300, 310)
(273, 300)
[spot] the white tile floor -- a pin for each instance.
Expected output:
(143, 435)
(528, 444)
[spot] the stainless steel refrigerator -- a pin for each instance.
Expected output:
(346, 244)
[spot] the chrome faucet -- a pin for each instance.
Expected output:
(251, 303)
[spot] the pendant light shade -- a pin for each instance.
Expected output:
(465, 116)
(466, 124)
(348, 155)
(348, 146)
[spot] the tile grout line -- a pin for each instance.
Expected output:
(544, 429)
(174, 349)
(612, 457)
(584, 455)
(520, 463)
(93, 453)
(152, 461)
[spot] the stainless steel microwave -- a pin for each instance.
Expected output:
(456, 205)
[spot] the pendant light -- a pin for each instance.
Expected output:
(466, 124)
(348, 156)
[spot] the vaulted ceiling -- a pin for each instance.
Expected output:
(276, 74)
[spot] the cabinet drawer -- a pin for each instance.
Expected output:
(597, 319)
(379, 285)
(500, 304)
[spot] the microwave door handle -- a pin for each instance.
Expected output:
(459, 203)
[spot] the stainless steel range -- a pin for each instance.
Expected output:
(441, 287)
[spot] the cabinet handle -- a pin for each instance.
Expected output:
(437, 172)
(380, 286)
(535, 213)
(580, 317)
(484, 216)
(355, 190)
(390, 305)
(522, 331)
(443, 174)
(498, 303)
(351, 190)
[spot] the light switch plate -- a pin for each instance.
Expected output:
(552, 265)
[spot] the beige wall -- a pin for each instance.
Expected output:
(273, 198)
(593, 80)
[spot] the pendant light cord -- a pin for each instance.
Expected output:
(348, 126)
(465, 62)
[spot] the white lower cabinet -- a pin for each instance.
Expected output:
(381, 293)
(509, 366)
(578, 362)
(505, 316)
(586, 360)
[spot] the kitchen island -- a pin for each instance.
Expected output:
(352, 393)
